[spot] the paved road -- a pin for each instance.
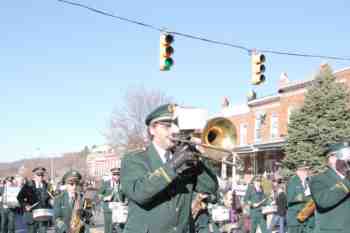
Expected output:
(97, 228)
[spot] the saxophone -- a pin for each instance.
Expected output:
(307, 211)
(76, 224)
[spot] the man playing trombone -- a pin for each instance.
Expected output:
(331, 191)
(159, 181)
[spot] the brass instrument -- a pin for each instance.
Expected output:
(307, 211)
(76, 224)
(198, 204)
(218, 138)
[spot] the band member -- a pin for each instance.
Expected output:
(159, 181)
(110, 191)
(72, 213)
(8, 213)
(298, 195)
(330, 191)
(256, 199)
(34, 195)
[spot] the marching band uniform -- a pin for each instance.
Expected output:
(298, 194)
(65, 203)
(110, 191)
(158, 190)
(331, 192)
(256, 199)
(34, 195)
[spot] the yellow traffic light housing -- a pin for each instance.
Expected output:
(258, 68)
(166, 50)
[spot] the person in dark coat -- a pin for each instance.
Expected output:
(34, 195)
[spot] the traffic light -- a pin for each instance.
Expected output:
(166, 62)
(258, 68)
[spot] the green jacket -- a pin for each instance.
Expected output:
(251, 197)
(160, 199)
(63, 212)
(296, 201)
(331, 195)
(106, 190)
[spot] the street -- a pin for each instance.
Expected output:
(97, 228)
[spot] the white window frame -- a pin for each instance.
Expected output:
(274, 125)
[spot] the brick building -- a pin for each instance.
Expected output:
(101, 159)
(263, 123)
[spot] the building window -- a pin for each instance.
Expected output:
(259, 120)
(243, 128)
(274, 125)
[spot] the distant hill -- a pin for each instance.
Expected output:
(60, 165)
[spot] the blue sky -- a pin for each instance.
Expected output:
(64, 69)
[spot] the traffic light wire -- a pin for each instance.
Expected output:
(249, 50)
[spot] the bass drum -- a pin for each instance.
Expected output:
(119, 212)
(43, 215)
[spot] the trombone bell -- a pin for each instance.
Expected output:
(219, 138)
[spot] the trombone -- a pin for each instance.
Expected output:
(218, 138)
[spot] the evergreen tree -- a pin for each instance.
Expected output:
(323, 119)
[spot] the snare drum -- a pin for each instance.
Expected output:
(269, 209)
(119, 212)
(220, 214)
(42, 215)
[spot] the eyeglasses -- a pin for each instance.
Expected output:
(41, 175)
(72, 183)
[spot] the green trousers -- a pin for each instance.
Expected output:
(38, 227)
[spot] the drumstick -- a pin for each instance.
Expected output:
(35, 204)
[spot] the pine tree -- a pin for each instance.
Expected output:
(323, 119)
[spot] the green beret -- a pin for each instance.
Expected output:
(71, 175)
(162, 113)
(341, 150)
(303, 165)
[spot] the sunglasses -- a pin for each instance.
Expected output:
(40, 174)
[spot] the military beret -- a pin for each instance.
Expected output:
(303, 165)
(341, 150)
(162, 113)
(115, 170)
(39, 170)
(71, 175)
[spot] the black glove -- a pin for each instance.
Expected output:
(84, 214)
(182, 158)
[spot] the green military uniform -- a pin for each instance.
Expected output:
(64, 206)
(107, 190)
(37, 196)
(257, 218)
(160, 199)
(331, 194)
(296, 201)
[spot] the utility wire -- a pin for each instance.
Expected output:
(246, 49)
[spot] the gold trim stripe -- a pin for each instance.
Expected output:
(165, 175)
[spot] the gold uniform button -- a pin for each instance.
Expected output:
(177, 209)
(175, 228)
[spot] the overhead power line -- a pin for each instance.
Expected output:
(190, 36)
